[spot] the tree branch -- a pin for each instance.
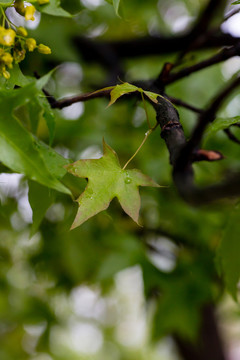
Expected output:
(209, 343)
(231, 136)
(223, 55)
(149, 45)
(199, 31)
(182, 103)
(60, 104)
(183, 175)
(206, 118)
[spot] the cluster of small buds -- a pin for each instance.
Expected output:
(14, 41)
(29, 10)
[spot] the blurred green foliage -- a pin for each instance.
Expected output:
(108, 289)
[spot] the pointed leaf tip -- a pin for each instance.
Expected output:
(107, 180)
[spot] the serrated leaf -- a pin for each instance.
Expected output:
(220, 124)
(40, 198)
(229, 253)
(19, 150)
(120, 90)
(106, 180)
(126, 88)
(152, 96)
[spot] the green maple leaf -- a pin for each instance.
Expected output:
(106, 180)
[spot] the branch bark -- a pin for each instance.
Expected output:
(223, 55)
(149, 45)
(209, 345)
(183, 174)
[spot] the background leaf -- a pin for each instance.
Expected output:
(40, 198)
(220, 124)
(19, 150)
(53, 8)
(228, 253)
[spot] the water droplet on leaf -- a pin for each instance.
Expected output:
(128, 180)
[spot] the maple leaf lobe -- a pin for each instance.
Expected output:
(107, 180)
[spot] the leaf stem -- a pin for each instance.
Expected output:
(147, 134)
(145, 108)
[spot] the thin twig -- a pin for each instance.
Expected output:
(147, 134)
(182, 103)
(223, 55)
(207, 117)
(231, 136)
(200, 28)
(60, 104)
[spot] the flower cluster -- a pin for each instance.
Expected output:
(29, 10)
(14, 41)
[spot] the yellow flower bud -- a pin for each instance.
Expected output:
(7, 59)
(22, 31)
(7, 36)
(42, 2)
(19, 6)
(18, 55)
(43, 49)
(31, 44)
(29, 12)
(6, 74)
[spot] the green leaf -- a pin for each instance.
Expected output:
(106, 180)
(6, 3)
(228, 253)
(17, 78)
(152, 96)
(236, 2)
(220, 124)
(120, 90)
(30, 114)
(116, 5)
(126, 88)
(40, 198)
(48, 116)
(53, 161)
(19, 150)
(53, 8)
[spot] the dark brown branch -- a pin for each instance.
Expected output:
(148, 45)
(183, 175)
(182, 103)
(205, 18)
(231, 136)
(60, 104)
(200, 30)
(223, 55)
(207, 117)
(209, 344)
